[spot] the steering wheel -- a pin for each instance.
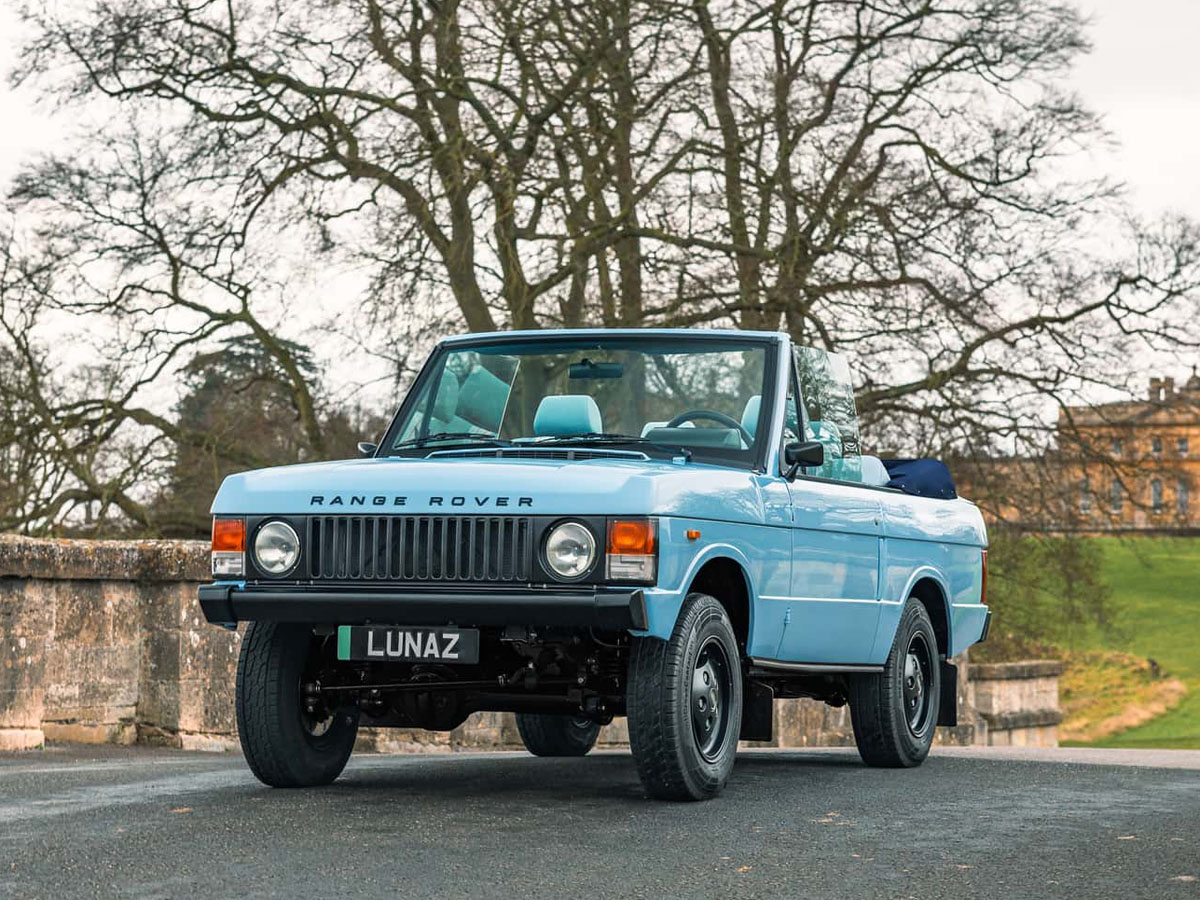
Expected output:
(712, 415)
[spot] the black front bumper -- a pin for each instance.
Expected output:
(607, 608)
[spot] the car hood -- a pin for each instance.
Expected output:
(474, 485)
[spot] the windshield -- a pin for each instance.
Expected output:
(662, 396)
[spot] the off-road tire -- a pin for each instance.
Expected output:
(660, 701)
(877, 701)
(280, 750)
(546, 734)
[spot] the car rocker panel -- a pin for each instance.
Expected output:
(552, 518)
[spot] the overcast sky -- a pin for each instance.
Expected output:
(1143, 76)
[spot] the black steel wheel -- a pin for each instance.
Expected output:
(289, 737)
(711, 687)
(919, 663)
(895, 712)
(684, 704)
(546, 734)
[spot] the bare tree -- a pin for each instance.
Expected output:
(157, 281)
(887, 179)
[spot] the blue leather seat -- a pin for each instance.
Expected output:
(828, 435)
(482, 399)
(874, 472)
(567, 414)
(688, 436)
(445, 405)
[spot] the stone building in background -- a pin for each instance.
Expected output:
(1129, 466)
(1135, 464)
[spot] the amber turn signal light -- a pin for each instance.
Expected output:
(229, 535)
(228, 548)
(631, 536)
(632, 546)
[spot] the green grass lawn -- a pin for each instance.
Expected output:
(1156, 600)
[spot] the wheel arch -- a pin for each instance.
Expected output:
(725, 578)
(929, 590)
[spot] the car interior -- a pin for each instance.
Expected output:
(478, 403)
(471, 408)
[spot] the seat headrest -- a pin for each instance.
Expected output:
(750, 414)
(567, 414)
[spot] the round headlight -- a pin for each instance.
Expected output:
(276, 548)
(570, 550)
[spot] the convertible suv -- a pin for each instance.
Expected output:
(673, 526)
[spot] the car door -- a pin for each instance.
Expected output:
(833, 607)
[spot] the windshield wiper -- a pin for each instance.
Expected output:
(462, 436)
(603, 437)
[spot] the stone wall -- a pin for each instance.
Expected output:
(103, 641)
(1017, 702)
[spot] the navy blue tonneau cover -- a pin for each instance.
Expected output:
(922, 477)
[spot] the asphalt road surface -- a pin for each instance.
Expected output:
(97, 821)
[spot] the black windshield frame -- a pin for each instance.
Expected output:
(583, 340)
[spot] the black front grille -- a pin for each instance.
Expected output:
(419, 548)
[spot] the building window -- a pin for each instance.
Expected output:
(1181, 497)
(1181, 446)
(1116, 447)
(1156, 446)
(1156, 495)
(1117, 496)
(1085, 497)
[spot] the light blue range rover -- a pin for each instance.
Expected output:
(672, 526)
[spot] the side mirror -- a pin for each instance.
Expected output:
(366, 449)
(803, 453)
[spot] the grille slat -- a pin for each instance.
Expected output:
(444, 549)
(344, 525)
(487, 547)
(402, 555)
(418, 548)
(360, 535)
(387, 552)
(471, 549)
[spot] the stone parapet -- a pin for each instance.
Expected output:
(75, 560)
(104, 641)
(1017, 701)
(1021, 670)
